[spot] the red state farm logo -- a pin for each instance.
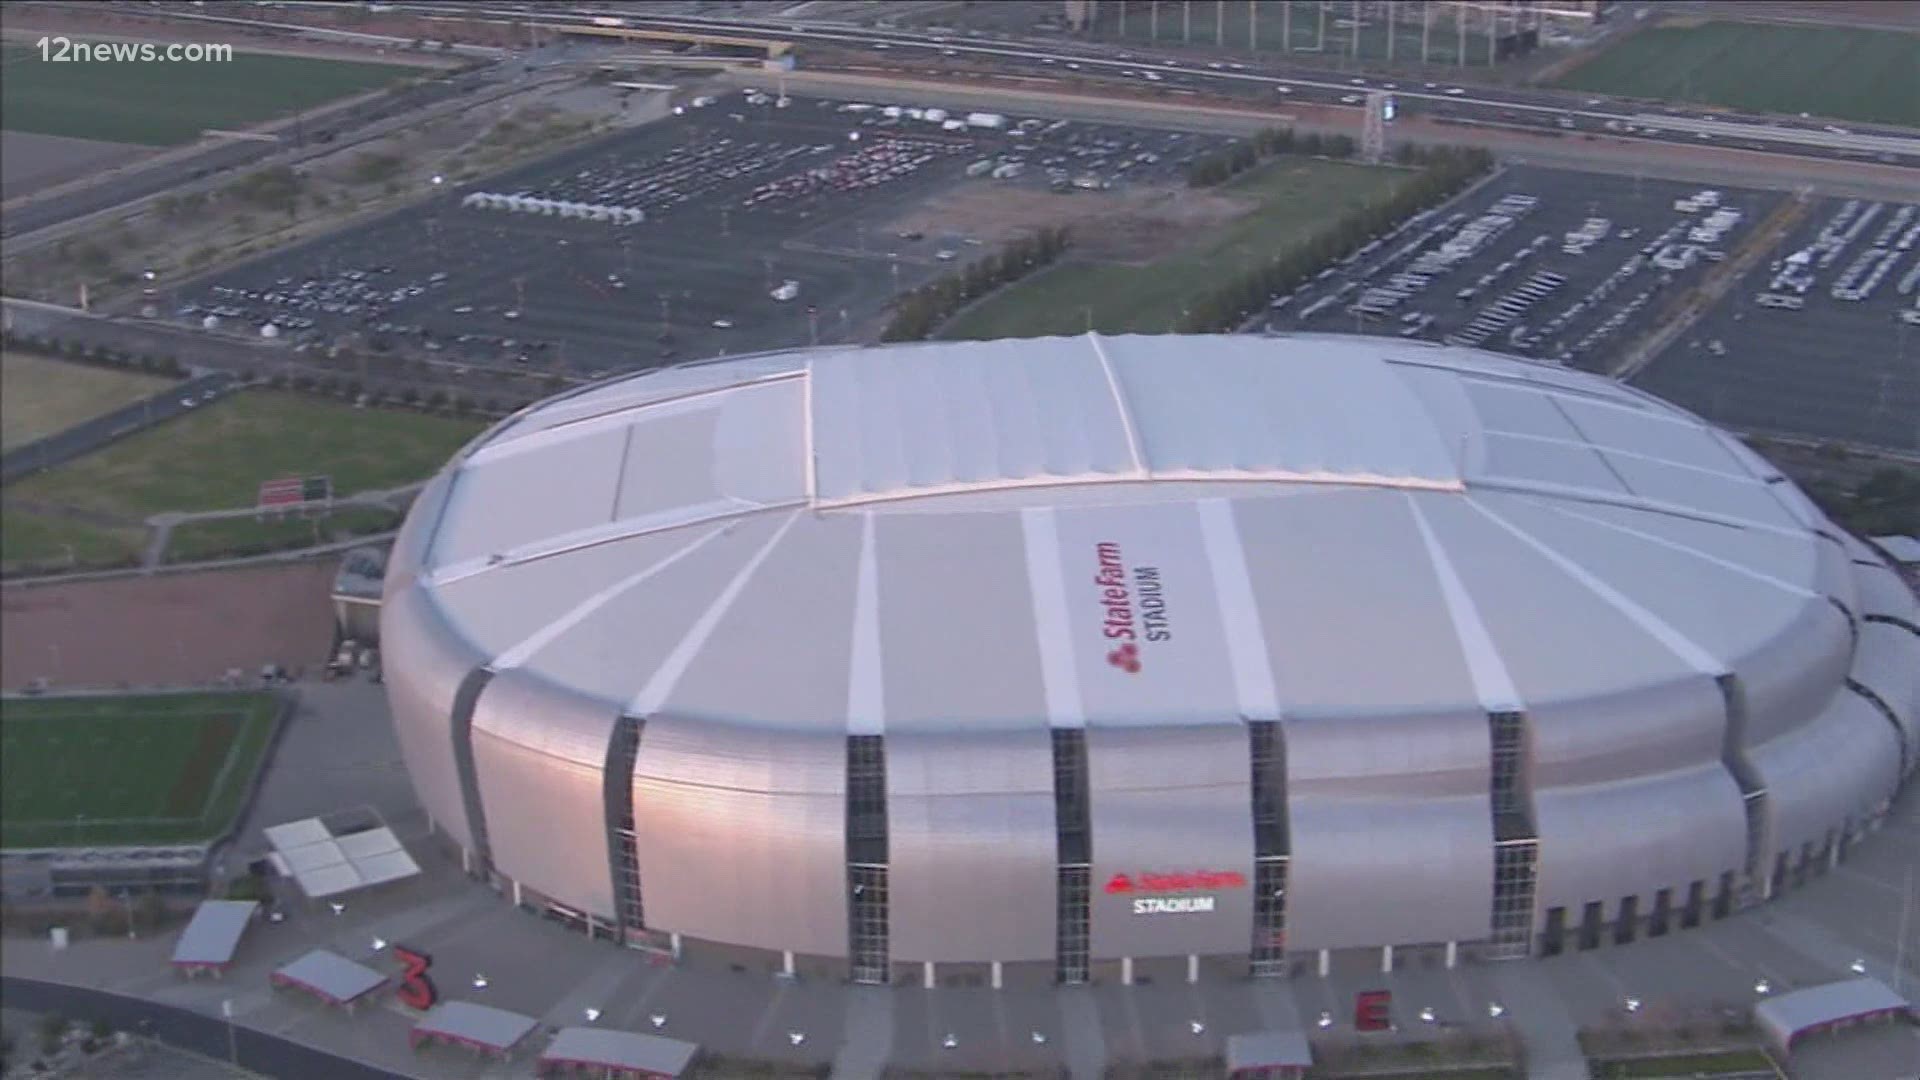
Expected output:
(1126, 658)
(1121, 884)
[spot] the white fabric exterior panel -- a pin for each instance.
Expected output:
(742, 834)
(1519, 409)
(917, 423)
(610, 399)
(1840, 767)
(1387, 870)
(1633, 838)
(1543, 461)
(615, 650)
(1332, 568)
(510, 606)
(760, 444)
(781, 654)
(957, 644)
(1258, 414)
(1664, 435)
(1560, 637)
(1170, 801)
(1725, 494)
(1789, 681)
(1435, 754)
(1598, 740)
(474, 527)
(1719, 604)
(1836, 574)
(970, 825)
(1442, 395)
(1784, 555)
(1887, 662)
(667, 462)
(1881, 592)
(546, 821)
(407, 559)
(425, 661)
(1139, 579)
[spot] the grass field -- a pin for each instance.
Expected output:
(1288, 198)
(214, 458)
(1845, 74)
(194, 541)
(128, 770)
(39, 396)
(162, 104)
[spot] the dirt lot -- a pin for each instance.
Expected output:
(167, 629)
(1134, 226)
(30, 162)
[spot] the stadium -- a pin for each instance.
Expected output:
(1077, 659)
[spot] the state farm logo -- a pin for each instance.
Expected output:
(1120, 884)
(1134, 607)
(1176, 891)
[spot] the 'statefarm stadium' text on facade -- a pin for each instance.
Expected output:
(1046, 659)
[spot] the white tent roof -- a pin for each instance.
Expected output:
(331, 975)
(328, 866)
(608, 1049)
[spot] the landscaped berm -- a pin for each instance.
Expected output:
(128, 770)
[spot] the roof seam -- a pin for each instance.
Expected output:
(1124, 413)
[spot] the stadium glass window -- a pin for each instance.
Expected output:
(1075, 841)
(1514, 863)
(1267, 750)
(867, 927)
(1270, 915)
(623, 749)
(866, 799)
(1075, 893)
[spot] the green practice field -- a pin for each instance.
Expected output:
(1865, 75)
(161, 104)
(40, 396)
(1290, 197)
(158, 769)
(214, 458)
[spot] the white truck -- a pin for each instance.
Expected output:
(788, 290)
(986, 120)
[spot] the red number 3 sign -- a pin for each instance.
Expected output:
(416, 986)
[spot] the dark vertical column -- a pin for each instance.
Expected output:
(1075, 849)
(464, 700)
(867, 858)
(629, 908)
(1753, 794)
(1516, 842)
(1271, 846)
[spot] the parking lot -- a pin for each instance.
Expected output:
(1822, 338)
(1558, 265)
(739, 224)
(1574, 267)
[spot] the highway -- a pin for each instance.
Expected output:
(1271, 81)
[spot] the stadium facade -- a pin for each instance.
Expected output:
(1053, 658)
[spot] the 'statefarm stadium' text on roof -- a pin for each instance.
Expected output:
(1046, 655)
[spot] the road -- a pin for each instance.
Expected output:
(84, 438)
(1270, 81)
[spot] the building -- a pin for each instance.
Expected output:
(1093, 657)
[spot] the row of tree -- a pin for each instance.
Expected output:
(99, 354)
(1228, 305)
(917, 313)
(1219, 166)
